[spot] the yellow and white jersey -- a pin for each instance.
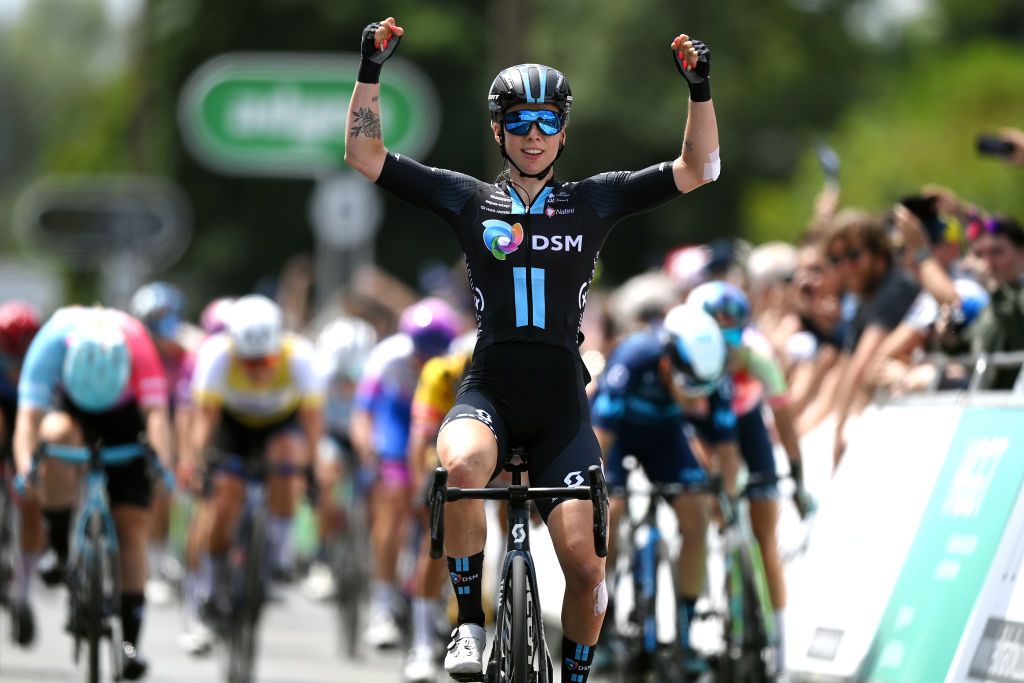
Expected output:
(221, 379)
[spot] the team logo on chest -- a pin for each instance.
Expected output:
(501, 238)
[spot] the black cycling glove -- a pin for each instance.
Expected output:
(374, 57)
(698, 78)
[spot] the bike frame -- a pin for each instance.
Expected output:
(518, 545)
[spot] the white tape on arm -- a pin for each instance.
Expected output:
(713, 169)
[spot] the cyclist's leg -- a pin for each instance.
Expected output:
(756, 447)
(59, 485)
(571, 525)
(468, 445)
(130, 493)
(286, 451)
(390, 512)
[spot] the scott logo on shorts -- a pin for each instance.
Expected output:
(501, 238)
(574, 479)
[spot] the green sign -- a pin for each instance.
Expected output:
(284, 114)
(953, 549)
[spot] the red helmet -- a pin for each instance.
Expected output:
(18, 324)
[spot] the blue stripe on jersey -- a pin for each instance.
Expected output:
(538, 203)
(519, 282)
(537, 280)
(517, 203)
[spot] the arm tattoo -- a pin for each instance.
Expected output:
(366, 122)
(374, 98)
(688, 145)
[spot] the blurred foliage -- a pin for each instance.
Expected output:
(899, 104)
(918, 128)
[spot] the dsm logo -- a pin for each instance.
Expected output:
(501, 238)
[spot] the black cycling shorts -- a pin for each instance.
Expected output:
(130, 483)
(9, 409)
(239, 439)
(532, 395)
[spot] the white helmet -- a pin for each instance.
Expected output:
(692, 341)
(254, 325)
(344, 346)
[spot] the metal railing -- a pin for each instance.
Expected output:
(981, 367)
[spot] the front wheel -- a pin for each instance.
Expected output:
(93, 601)
(520, 628)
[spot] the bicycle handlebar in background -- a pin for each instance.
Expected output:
(109, 455)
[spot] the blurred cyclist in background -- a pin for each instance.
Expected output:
(435, 395)
(757, 378)
(638, 411)
(342, 348)
(380, 435)
(19, 324)
(195, 638)
(160, 306)
(258, 397)
(93, 374)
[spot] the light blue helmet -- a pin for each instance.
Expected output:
(97, 365)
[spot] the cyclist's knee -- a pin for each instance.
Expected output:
(468, 466)
(59, 427)
(693, 516)
(586, 575)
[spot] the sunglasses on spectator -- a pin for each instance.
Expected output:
(849, 255)
(259, 363)
(519, 122)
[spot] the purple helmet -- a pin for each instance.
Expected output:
(432, 324)
(214, 317)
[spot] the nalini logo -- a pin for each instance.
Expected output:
(501, 238)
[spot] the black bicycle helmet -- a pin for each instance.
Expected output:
(529, 84)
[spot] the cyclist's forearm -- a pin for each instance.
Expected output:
(26, 436)
(364, 141)
(699, 162)
(158, 432)
(204, 424)
(729, 464)
(785, 424)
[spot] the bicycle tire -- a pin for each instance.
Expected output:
(351, 578)
(94, 597)
(520, 626)
(243, 641)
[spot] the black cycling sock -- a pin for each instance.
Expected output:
(466, 573)
(133, 605)
(576, 660)
(58, 522)
(687, 608)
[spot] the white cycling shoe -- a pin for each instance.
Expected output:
(196, 639)
(466, 650)
(382, 632)
(420, 665)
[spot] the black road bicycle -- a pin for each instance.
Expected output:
(241, 591)
(519, 653)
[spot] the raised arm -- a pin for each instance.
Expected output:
(699, 162)
(364, 141)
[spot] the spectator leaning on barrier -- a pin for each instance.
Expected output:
(999, 243)
(857, 245)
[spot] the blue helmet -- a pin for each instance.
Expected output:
(727, 304)
(97, 365)
(160, 306)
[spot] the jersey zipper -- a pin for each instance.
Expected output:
(528, 238)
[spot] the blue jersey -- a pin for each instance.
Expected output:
(631, 392)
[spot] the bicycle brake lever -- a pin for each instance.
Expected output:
(599, 499)
(437, 499)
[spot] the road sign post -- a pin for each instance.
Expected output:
(124, 227)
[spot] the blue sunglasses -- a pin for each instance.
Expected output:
(519, 122)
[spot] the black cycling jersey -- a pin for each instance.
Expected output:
(529, 266)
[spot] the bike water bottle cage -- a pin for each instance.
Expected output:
(519, 122)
